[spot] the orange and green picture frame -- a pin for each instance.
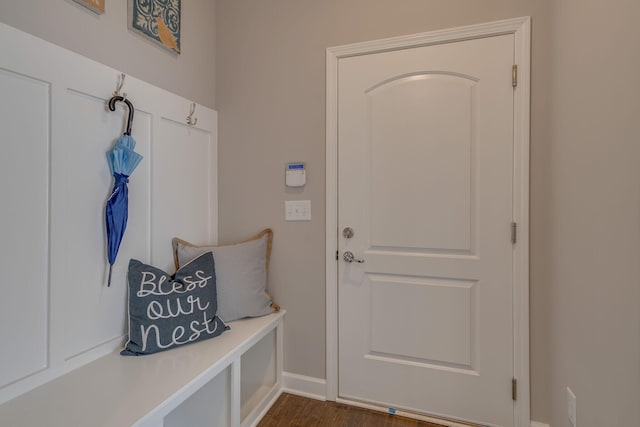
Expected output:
(159, 20)
(95, 5)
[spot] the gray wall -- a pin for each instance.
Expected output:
(585, 202)
(106, 39)
(585, 150)
(592, 209)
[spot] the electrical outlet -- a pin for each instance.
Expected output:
(571, 406)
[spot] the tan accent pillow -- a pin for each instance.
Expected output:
(241, 274)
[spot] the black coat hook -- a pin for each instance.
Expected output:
(112, 107)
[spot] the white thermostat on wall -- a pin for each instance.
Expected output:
(295, 175)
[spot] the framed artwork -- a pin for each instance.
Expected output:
(159, 20)
(96, 5)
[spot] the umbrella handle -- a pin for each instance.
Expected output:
(112, 107)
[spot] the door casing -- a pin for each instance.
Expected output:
(521, 29)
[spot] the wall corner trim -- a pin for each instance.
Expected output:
(301, 385)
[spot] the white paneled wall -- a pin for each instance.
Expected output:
(56, 312)
(185, 189)
(24, 224)
(97, 316)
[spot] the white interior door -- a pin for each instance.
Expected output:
(425, 181)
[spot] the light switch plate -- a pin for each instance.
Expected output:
(297, 210)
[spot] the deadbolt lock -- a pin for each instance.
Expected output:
(347, 233)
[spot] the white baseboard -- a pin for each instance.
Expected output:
(301, 385)
(537, 424)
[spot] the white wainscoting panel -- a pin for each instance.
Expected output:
(184, 190)
(24, 225)
(95, 315)
(57, 312)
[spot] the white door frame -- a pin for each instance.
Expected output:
(521, 29)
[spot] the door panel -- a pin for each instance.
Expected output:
(398, 302)
(409, 112)
(425, 147)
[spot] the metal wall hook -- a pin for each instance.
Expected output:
(190, 120)
(121, 78)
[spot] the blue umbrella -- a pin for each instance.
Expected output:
(122, 160)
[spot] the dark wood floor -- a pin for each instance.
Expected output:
(290, 410)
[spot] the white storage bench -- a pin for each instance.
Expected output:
(230, 380)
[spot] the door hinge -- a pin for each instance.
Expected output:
(514, 233)
(337, 257)
(514, 389)
(514, 75)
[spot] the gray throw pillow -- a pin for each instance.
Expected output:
(166, 312)
(241, 271)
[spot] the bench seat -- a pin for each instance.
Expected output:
(117, 391)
